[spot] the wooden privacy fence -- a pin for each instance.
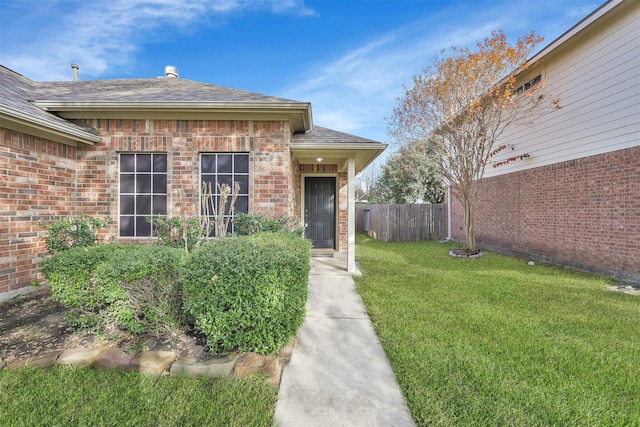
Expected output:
(402, 223)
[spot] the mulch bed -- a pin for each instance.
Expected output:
(33, 324)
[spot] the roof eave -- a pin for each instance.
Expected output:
(341, 146)
(298, 113)
(27, 123)
(364, 153)
(573, 31)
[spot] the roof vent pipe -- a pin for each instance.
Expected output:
(170, 71)
(75, 69)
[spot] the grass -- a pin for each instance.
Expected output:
(494, 341)
(64, 396)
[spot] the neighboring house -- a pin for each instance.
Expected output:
(576, 200)
(132, 148)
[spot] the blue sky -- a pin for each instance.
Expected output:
(350, 59)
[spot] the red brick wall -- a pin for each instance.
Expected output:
(583, 213)
(43, 179)
(37, 182)
(183, 140)
(296, 191)
(343, 211)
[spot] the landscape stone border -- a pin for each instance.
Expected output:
(165, 363)
(627, 289)
(455, 255)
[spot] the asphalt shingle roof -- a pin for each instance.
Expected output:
(164, 89)
(19, 96)
(16, 91)
(324, 135)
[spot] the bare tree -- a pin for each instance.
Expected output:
(461, 105)
(367, 185)
(212, 219)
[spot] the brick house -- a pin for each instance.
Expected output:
(132, 148)
(576, 200)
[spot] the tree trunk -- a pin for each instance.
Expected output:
(469, 230)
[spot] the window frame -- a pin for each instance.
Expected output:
(528, 85)
(135, 193)
(233, 173)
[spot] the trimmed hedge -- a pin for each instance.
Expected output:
(133, 287)
(245, 224)
(68, 232)
(248, 293)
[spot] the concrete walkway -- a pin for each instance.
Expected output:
(338, 374)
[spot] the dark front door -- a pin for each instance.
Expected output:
(320, 211)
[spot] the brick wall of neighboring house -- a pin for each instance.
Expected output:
(37, 182)
(582, 213)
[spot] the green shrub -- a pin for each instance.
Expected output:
(245, 224)
(66, 233)
(248, 293)
(177, 232)
(133, 287)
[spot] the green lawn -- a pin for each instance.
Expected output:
(64, 396)
(495, 342)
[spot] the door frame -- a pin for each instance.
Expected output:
(303, 178)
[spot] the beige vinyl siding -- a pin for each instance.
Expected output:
(597, 82)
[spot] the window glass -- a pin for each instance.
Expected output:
(226, 168)
(159, 163)
(143, 192)
(127, 163)
(126, 226)
(159, 205)
(143, 205)
(159, 183)
(241, 164)
(143, 228)
(208, 163)
(242, 204)
(224, 164)
(143, 163)
(143, 183)
(127, 183)
(222, 180)
(244, 183)
(127, 205)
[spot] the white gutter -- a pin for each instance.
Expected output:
(356, 146)
(169, 105)
(49, 126)
(301, 110)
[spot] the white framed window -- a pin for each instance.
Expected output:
(528, 85)
(142, 192)
(227, 168)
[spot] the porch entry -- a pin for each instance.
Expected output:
(320, 211)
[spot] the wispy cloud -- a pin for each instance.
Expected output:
(356, 91)
(100, 35)
(580, 11)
